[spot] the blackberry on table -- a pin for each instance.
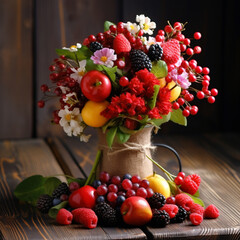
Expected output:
(160, 218)
(155, 52)
(44, 203)
(61, 189)
(107, 216)
(140, 60)
(94, 46)
(157, 200)
(180, 216)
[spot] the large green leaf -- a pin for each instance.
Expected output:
(110, 72)
(122, 137)
(54, 210)
(107, 24)
(152, 102)
(159, 69)
(111, 133)
(177, 117)
(51, 184)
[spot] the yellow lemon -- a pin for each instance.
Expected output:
(175, 92)
(159, 185)
(91, 113)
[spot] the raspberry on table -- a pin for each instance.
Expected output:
(184, 201)
(211, 212)
(196, 208)
(171, 209)
(64, 217)
(85, 216)
(196, 218)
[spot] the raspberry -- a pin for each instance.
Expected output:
(184, 201)
(64, 217)
(211, 212)
(180, 216)
(171, 51)
(121, 44)
(191, 184)
(196, 208)
(171, 209)
(196, 218)
(85, 216)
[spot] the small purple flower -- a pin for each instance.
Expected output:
(180, 79)
(104, 57)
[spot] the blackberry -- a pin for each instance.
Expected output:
(157, 200)
(155, 52)
(61, 189)
(107, 216)
(140, 60)
(44, 203)
(94, 46)
(180, 216)
(160, 218)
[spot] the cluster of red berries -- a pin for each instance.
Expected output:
(115, 189)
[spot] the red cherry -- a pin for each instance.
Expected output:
(181, 101)
(189, 51)
(183, 47)
(185, 112)
(200, 95)
(52, 68)
(126, 184)
(192, 77)
(142, 192)
(178, 180)
(206, 77)
(197, 35)
(168, 29)
(175, 105)
(193, 64)
(211, 99)
(205, 70)
(113, 28)
(120, 63)
(197, 49)
(194, 110)
(161, 32)
(91, 38)
(140, 33)
(214, 92)
(185, 64)
(198, 69)
(177, 26)
(41, 104)
(187, 41)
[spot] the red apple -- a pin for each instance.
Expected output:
(84, 197)
(136, 211)
(95, 86)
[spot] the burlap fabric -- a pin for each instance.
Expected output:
(129, 157)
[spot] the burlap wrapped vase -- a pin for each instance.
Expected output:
(129, 157)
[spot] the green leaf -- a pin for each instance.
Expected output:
(159, 122)
(197, 194)
(152, 102)
(127, 130)
(66, 53)
(107, 24)
(91, 66)
(122, 137)
(50, 184)
(30, 189)
(197, 200)
(111, 135)
(177, 117)
(54, 210)
(159, 69)
(110, 72)
(173, 187)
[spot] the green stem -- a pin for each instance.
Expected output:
(168, 174)
(94, 168)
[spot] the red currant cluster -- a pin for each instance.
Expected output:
(115, 190)
(196, 73)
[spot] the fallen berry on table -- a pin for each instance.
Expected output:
(171, 209)
(196, 218)
(184, 201)
(211, 212)
(196, 208)
(64, 217)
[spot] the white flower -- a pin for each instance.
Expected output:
(145, 24)
(64, 89)
(73, 48)
(69, 95)
(84, 138)
(132, 27)
(79, 72)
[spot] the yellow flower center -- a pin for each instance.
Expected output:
(73, 46)
(132, 27)
(81, 73)
(68, 117)
(146, 26)
(103, 58)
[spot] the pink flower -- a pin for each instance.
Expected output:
(180, 79)
(104, 57)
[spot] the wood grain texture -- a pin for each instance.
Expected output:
(61, 23)
(16, 69)
(18, 160)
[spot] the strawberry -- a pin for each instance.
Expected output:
(121, 44)
(171, 51)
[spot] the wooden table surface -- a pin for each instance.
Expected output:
(215, 157)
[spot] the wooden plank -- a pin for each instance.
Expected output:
(18, 160)
(220, 186)
(16, 69)
(60, 24)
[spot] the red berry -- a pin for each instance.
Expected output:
(184, 201)
(113, 28)
(144, 183)
(185, 112)
(41, 104)
(180, 37)
(178, 180)
(177, 26)
(52, 68)
(170, 67)
(104, 177)
(197, 35)
(189, 51)
(73, 186)
(112, 188)
(91, 38)
(161, 32)
(181, 101)
(140, 33)
(197, 49)
(214, 92)
(136, 179)
(135, 186)
(196, 218)
(130, 193)
(44, 88)
(171, 209)
(64, 217)
(211, 99)
(185, 64)
(116, 180)
(183, 47)
(191, 184)
(120, 63)
(205, 83)
(62, 66)
(205, 70)
(187, 41)
(126, 184)
(175, 105)
(120, 27)
(102, 190)
(200, 95)
(130, 123)
(150, 192)
(142, 192)
(170, 200)
(159, 38)
(193, 64)
(206, 77)
(211, 212)
(64, 197)
(198, 69)
(181, 174)
(196, 208)
(194, 110)
(123, 81)
(111, 197)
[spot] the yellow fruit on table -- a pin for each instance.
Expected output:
(91, 113)
(175, 92)
(162, 82)
(159, 185)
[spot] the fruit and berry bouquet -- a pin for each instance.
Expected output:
(124, 79)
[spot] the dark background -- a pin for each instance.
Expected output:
(30, 31)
